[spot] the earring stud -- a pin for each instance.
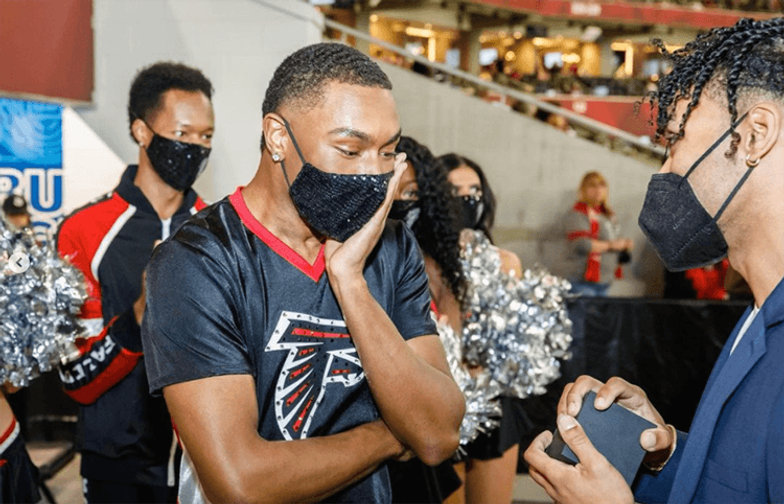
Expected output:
(276, 157)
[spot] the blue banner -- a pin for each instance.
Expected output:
(31, 159)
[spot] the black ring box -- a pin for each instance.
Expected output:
(614, 432)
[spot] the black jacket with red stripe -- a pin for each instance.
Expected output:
(124, 434)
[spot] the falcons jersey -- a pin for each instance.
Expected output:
(225, 296)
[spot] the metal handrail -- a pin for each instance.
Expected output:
(582, 120)
(576, 118)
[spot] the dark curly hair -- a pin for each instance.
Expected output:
(302, 76)
(738, 60)
(453, 161)
(153, 81)
(437, 229)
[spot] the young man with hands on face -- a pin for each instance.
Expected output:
(288, 325)
(719, 193)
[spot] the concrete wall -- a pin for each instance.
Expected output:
(236, 43)
(533, 168)
(90, 167)
(534, 171)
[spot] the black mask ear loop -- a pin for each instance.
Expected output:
(714, 146)
(296, 146)
(711, 149)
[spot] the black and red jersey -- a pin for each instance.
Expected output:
(125, 435)
(226, 296)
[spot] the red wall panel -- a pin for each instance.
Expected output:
(46, 48)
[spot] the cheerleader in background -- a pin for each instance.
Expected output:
(424, 202)
(477, 203)
(18, 475)
(39, 327)
(491, 465)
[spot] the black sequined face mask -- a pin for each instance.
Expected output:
(335, 205)
(472, 210)
(177, 163)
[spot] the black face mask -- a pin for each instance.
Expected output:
(684, 234)
(177, 163)
(335, 205)
(472, 210)
(405, 210)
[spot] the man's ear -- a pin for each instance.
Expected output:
(275, 136)
(141, 133)
(765, 121)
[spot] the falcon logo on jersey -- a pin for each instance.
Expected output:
(320, 352)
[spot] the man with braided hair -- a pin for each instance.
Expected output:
(720, 192)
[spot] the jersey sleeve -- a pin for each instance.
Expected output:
(110, 351)
(411, 311)
(190, 328)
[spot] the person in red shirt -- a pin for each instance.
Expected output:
(592, 239)
(708, 281)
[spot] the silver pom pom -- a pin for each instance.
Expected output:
(40, 296)
(516, 330)
(483, 411)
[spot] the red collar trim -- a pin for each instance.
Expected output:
(582, 207)
(314, 271)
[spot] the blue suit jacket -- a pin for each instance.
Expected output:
(734, 452)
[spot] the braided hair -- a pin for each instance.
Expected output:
(742, 59)
(437, 229)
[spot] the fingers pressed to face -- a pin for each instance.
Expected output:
(376, 222)
(394, 182)
(400, 162)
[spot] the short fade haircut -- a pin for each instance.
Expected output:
(302, 76)
(153, 81)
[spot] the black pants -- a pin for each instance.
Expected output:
(514, 425)
(415, 482)
(18, 475)
(110, 492)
